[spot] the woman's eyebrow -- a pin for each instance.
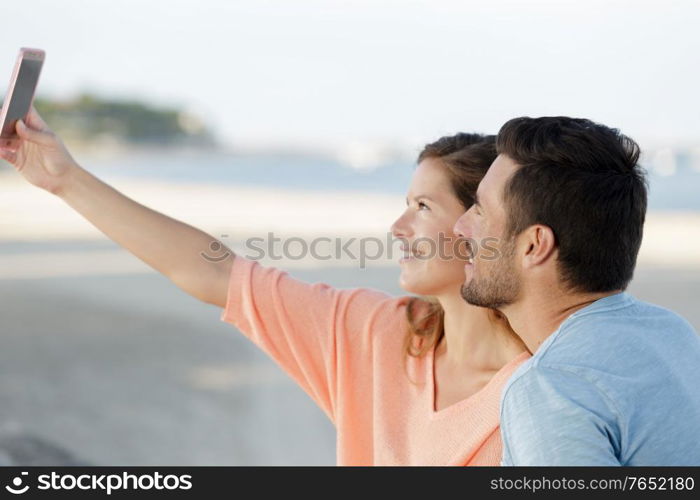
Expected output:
(415, 198)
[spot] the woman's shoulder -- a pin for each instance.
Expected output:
(355, 302)
(375, 301)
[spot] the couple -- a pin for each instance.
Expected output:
(536, 357)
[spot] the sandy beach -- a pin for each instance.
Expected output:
(105, 362)
(234, 214)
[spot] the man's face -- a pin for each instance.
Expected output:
(492, 278)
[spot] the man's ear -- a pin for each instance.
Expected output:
(539, 243)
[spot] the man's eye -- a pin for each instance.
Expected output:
(422, 205)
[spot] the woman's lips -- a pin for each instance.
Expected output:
(408, 254)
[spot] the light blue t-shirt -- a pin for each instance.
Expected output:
(618, 383)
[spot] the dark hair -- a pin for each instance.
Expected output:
(466, 158)
(582, 180)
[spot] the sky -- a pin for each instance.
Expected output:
(329, 71)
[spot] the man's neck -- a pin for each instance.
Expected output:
(538, 315)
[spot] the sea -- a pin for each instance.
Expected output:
(678, 190)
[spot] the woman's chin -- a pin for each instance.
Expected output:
(429, 283)
(412, 284)
(407, 284)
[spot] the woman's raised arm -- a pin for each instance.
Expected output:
(169, 246)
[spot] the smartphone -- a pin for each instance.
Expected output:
(18, 99)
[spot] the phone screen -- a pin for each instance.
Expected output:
(21, 98)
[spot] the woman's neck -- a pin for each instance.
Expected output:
(472, 339)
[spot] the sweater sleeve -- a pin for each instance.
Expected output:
(319, 335)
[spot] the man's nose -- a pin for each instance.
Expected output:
(460, 227)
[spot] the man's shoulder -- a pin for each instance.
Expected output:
(540, 390)
(612, 350)
(604, 335)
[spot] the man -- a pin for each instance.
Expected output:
(612, 380)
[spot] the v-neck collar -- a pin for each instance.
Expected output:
(476, 398)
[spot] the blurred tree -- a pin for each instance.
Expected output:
(88, 118)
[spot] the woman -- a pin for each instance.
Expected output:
(405, 380)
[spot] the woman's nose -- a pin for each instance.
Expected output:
(400, 229)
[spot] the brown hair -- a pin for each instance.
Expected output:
(466, 158)
(583, 180)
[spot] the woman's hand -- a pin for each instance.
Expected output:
(41, 158)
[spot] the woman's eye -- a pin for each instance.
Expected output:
(422, 205)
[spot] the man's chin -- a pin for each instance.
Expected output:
(467, 293)
(472, 296)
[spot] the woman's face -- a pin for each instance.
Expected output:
(432, 260)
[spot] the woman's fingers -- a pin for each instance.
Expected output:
(34, 120)
(43, 137)
(9, 156)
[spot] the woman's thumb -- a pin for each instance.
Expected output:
(31, 135)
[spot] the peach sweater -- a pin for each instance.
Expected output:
(345, 349)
